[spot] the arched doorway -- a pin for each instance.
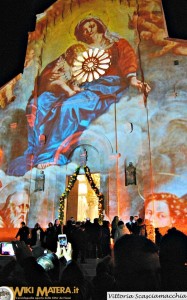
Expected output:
(82, 201)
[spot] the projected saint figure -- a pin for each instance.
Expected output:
(103, 72)
(166, 210)
(15, 209)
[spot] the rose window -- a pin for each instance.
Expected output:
(90, 65)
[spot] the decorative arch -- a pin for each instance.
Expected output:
(73, 179)
(88, 137)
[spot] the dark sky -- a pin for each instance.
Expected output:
(17, 18)
(176, 18)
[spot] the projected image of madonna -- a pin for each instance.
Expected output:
(165, 210)
(101, 73)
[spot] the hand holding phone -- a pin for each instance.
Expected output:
(62, 238)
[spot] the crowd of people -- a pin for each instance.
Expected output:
(89, 240)
(133, 263)
(38, 237)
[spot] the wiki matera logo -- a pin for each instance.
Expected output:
(6, 293)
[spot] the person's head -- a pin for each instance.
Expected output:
(173, 248)
(77, 224)
(131, 218)
(136, 218)
(165, 209)
(136, 263)
(69, 223)
(22, 224)
(87, 28)
(50, 224)
(72, 275)
(57, 222)
(37, 226)
(16, 208)
(115, 219)
(105, 266)
(120, 224)
(72, 53)
(140, 221)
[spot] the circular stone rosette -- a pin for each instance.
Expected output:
(90, 65)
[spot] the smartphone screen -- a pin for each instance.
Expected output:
(62, 240)
(7, 249)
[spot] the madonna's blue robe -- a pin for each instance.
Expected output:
(59, 117)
